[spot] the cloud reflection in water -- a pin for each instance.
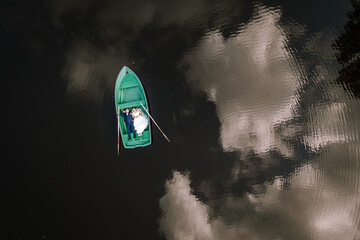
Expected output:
(184, 216)
(257, 85)
(250, 78)
(313, 208)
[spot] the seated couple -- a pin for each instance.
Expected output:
(134, 120)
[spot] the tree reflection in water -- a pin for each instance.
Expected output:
(348, 46)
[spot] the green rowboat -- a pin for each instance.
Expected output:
(129, 93)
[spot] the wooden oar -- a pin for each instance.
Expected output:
(118, 114)
(155, 122)
(118, 143)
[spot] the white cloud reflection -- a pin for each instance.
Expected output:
(91, 62)
(336, 122)
(315, 207)
(185, 218)
(255, 81)
(250, 78)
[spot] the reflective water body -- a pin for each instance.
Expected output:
(260, 100)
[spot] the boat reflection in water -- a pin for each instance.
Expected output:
(276, 107)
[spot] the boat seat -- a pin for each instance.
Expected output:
(128, 85)
(145, 137)
(131, 104)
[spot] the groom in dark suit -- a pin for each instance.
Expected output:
(129, 122)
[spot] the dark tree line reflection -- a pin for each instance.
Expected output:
(348, 46)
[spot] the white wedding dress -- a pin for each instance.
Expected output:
(140, 122)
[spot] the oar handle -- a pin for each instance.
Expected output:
(155, 122)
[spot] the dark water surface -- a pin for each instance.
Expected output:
(261, 101)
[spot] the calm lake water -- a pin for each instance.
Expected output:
(260, 99)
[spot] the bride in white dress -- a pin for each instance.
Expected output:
(140, 120)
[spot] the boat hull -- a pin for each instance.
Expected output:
(129, 92)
